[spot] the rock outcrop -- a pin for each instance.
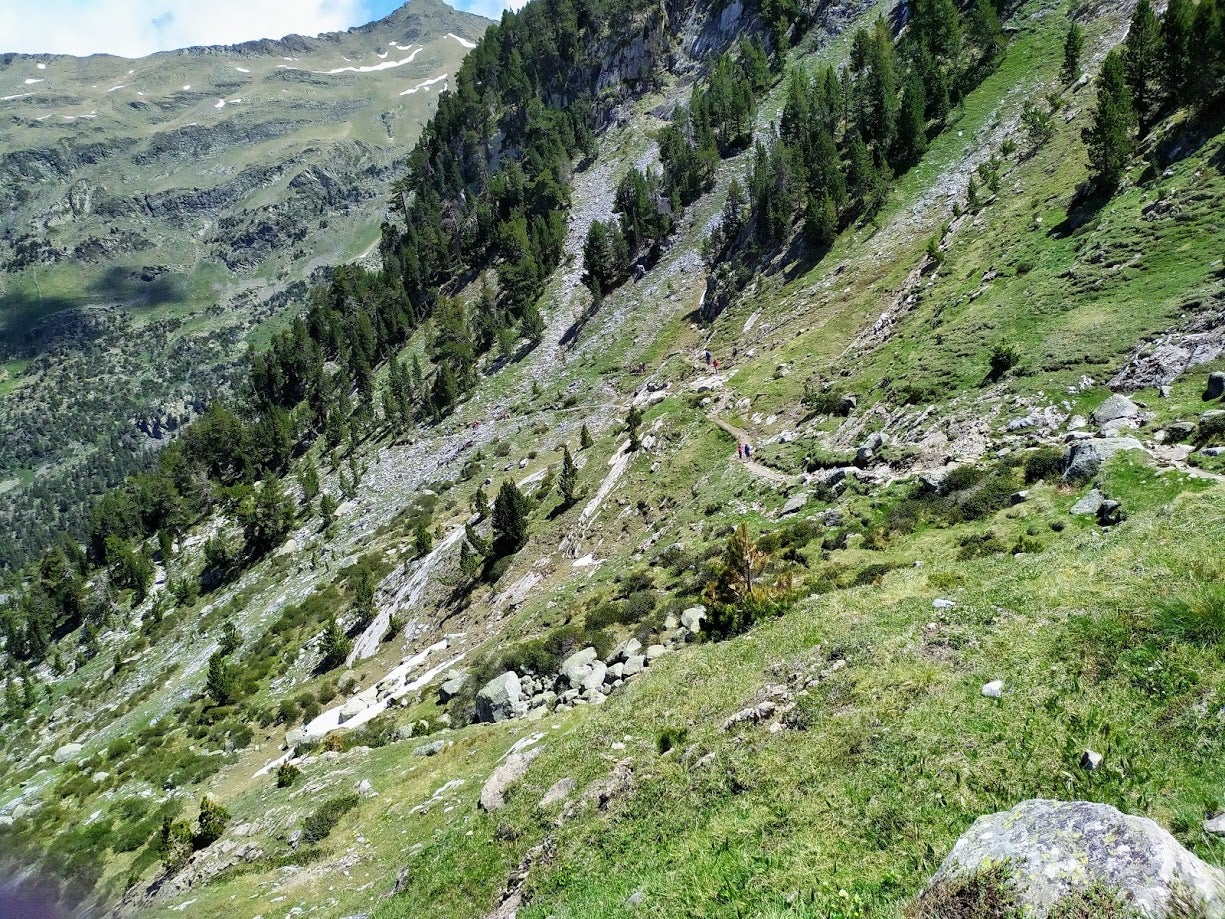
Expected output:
(1054, 849)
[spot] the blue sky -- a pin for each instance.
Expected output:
(133, 28)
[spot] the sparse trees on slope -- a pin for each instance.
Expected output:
(1073, 46)
(567, 482)
(1142, 57)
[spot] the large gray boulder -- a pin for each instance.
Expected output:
(500, 699)
(1115, 408)
(1056, 848)
(68, 753)
(1086, 457)
(577, 666)
(453, 683)
(513, 768)
(625, 651)
(1216, 385)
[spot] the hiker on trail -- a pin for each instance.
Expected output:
(739, 451)
(735, 351)
(748, 451)
(707, 358)
(716, 364)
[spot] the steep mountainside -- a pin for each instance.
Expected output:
(154, 212)
(475, 604)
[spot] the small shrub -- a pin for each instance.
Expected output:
(978, 545)
(286, 775)
(1046, 463)
(320, 823)
(1004, 357)
(670, 739)
(990, 894)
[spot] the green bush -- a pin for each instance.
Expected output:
(320, 822)
(1045, 463)
(286, 775)
(1196, 615)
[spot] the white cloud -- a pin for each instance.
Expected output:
(133, 28)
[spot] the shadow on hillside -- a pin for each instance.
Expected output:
(1190, 137)
(1084, 206)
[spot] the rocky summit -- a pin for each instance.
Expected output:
(752, 459)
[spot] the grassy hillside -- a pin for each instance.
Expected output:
(819, 763)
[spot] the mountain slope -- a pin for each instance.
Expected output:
(156, 212)
(813, 742)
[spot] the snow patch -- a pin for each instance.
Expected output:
(220, 104)
(426, 84)
(32, 81)
(18, 96)
(372, 68)
(120, 86)
(462, 41)
(187, 87)
(42, 66)
(242, 69)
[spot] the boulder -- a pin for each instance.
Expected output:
(1053, 849)
(575, 667)
(594, 678)
(994, 689)
(1090, 503)
(942, 603)
(351, 710)
(513, 768)
(794, 505)
(1086, 457)
(624, 651)
(429, 749)
(1091, 760)
(294, 736)
(691, 619)
(560, 790)
(364, 788)
(68, 753)
(453, 683)
(1110, 513)
(1215, 825)
(1115, 408)
(654, 652)
(500, 699)
(1216, 385)
(633, 666)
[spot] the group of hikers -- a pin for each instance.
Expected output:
(712, 361)
(744, 452)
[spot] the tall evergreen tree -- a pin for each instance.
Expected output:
(1073, 46)
(1142, 57)
(220, 683)
(568, 480)
(1110, 138)
(1176, 27)
(510, 511)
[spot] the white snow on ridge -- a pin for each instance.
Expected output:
(241, 69)
(120, 86)
(32, 81)
(42, 66)
(386, 65)
(187, 87)
(11, 98)
(462, 41)
(220, 104)
(424, 85)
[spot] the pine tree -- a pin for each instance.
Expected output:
(308, 479)
(584, 438)
(220, 683)
(531, 325)
(911, 142)
(1073, 45)
(509, 520)
(270, 519)
(423, 542)
(1142, 56)
(231, 638)
(327, 510)
(1110, 137)
(1176, 27)
(568, 480)
(335, 645)
(632, 422)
